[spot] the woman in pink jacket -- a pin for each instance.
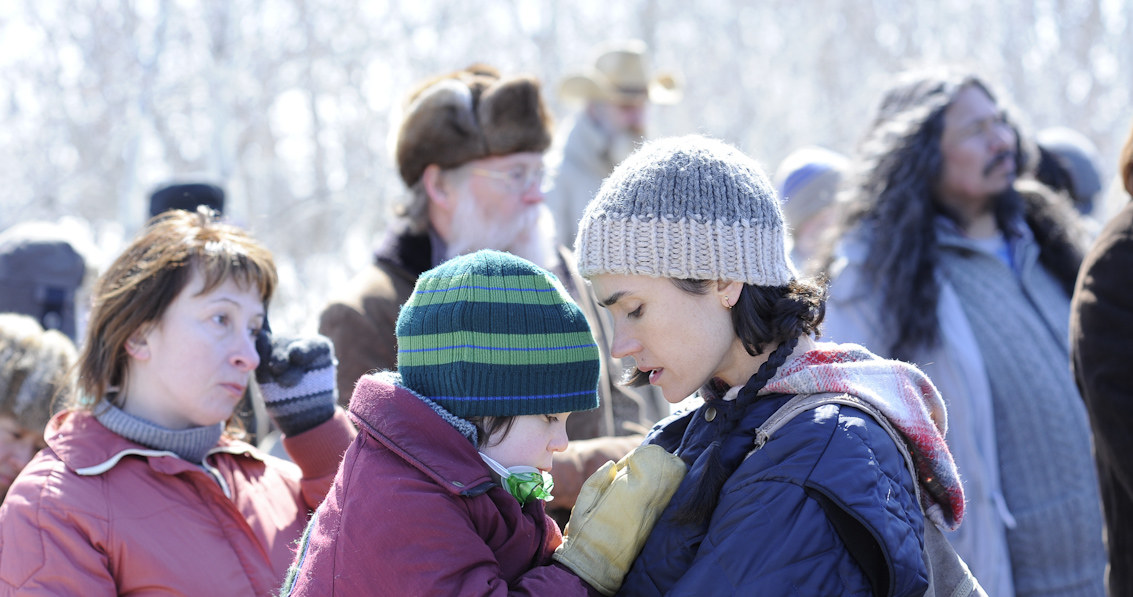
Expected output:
(143, 488)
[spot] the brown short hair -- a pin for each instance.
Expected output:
(139, 286)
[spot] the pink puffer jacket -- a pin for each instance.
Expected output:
(97, 514)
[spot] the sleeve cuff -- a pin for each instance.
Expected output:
(319, 450)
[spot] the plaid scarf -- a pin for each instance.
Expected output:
(904, 395)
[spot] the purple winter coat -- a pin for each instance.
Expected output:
(415, 511)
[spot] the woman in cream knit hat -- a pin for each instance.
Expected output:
(685, 246)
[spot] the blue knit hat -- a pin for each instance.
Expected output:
(490, 334)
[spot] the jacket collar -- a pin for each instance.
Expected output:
(405, 250)
(89, 448)
(398, 419)
(1023, 249)
(413, 254)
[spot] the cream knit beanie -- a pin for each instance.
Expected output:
(686, 207)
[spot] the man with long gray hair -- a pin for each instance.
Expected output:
(949, 261)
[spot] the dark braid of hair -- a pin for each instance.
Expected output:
(698, 510)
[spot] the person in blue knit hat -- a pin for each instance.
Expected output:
(443, 490)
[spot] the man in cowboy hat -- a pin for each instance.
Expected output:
(469, 147)
(614, 93)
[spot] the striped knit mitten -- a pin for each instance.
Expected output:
(297, 380)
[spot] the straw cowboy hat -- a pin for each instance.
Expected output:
(620, 73)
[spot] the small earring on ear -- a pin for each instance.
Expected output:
(727, 303)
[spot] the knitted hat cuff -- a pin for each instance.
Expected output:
(512, 406)
(686, 249)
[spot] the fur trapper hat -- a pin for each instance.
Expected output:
(470, 114)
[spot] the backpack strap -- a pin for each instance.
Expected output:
(804, 402)
(948, 574)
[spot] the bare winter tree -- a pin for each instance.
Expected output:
(286, 103)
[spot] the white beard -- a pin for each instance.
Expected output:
(530, 236)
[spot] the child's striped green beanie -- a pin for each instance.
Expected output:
(491, 334)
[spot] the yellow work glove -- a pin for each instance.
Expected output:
(614, 514)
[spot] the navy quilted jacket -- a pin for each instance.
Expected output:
(769, 533)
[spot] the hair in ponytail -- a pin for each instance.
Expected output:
(716, 471)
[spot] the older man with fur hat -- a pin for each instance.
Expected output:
(614, 94)
(469, 147)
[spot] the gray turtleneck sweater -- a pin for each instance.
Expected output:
(190, 444)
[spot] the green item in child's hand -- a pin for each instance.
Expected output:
(526, 486)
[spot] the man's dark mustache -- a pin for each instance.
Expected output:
(999, 158)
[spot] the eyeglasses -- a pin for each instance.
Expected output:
(518, 179)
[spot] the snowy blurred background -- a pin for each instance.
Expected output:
(285, 103)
